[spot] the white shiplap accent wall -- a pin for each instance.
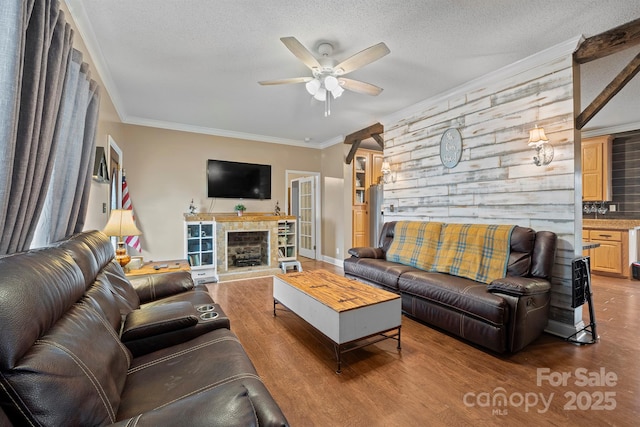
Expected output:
(496, 180)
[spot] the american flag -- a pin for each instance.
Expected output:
(132, 241)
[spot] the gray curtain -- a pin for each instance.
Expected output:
(35, 53)
(65, 204)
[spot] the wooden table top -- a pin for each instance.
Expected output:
(149, 267)
(337, 292)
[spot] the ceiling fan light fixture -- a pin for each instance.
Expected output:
(327, 74)
(313, 86)
(331, 83)
(321, 94)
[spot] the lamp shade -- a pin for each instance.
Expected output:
(313, 86)
(386, 167)
(537, 137)
(330, 83)
(321, 94)
(121, 224)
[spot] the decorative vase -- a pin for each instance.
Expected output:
(239, 213)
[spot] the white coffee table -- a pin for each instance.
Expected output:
(351, 314)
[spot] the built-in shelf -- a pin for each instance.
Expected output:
(287, 244)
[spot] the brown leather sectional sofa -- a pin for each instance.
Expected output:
(505, 315)
(82, 345)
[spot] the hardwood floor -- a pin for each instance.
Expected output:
(438, 379)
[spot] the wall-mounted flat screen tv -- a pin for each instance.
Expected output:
(236, 180)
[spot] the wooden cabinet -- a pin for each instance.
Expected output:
(367, 167)
(596, 169)
(612, 256)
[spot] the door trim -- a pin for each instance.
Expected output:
(318, 206)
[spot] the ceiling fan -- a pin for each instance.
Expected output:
(327, 79)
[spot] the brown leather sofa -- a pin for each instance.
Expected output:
(80, 344)
(505, 315)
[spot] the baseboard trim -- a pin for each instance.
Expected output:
(333, 261)
(565, 330)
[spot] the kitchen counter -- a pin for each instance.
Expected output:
(611, 224)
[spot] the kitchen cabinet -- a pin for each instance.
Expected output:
(596, 168)
(612, 256)
(367, 166)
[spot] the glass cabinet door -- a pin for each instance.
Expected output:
(359, 179)
(200, 244)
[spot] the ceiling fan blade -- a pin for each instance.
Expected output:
(285, 81)
(362, 58)
(301, 52)
(359, 87)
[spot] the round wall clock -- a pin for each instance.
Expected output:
(450, 147)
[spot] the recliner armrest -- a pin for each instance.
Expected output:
(151, 287)
(363, 252)
(520, 286)
(158, 319)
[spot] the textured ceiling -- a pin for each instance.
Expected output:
(194, 64)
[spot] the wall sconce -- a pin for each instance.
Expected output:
(387, 176)
(544, 150)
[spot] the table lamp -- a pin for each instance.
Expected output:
(121, 224)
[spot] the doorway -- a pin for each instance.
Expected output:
(115, 166)
(303, 201)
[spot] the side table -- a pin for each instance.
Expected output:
(157, 267)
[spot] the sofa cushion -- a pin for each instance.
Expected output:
(105, 301)
(72, 375)
(459, 294)
(215, 360)
(150, 287)
(126, 296)
(99, 244)
(38, 287)
(220, 407)
(522, 245)
(377, 271)
(415, 243)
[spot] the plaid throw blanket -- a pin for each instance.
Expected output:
(415, 243)
(476, 251)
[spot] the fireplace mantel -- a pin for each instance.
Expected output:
(233, 217)
(231, 222)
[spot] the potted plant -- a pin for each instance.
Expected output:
(240, 208)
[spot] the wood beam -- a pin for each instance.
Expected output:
(609, 42)
(609, 92)
(356, 138)
(378, 139)
(352, 152)
(364, 133)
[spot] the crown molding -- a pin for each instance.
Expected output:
(140, 121)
